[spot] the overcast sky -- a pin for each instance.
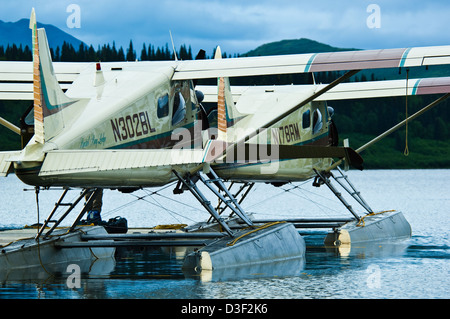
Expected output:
(239, 26)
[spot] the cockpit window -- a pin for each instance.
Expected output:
(163, 106)
(317, 121)
(29, 119)
(179, 99)
(306, 119)
(179, 108)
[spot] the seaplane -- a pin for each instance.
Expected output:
(132, 125)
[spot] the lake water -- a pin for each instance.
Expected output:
(415, 268)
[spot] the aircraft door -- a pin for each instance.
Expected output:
(180, 98)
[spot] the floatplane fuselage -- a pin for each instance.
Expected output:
(132, 124)
(112, 108)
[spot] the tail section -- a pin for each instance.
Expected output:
(49, 99)
(227, 113)
(38, 114)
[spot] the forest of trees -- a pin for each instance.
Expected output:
(105, 53)
(360, 120)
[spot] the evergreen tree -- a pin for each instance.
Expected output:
(166, 53)
(114, 55)
(91, 54)
(144, 56)
(57, 54)
(120, 55)
(81, 55)
(68, 53)
(158, 55)
(151, 52)
(131, 54)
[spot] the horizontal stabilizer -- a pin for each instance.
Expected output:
(16, 78)
(5, 163)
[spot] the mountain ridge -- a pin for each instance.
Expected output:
(294, 46)
(18, 33)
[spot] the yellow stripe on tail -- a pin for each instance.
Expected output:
(227, 113)
(37, 96)
(50, 102)
(221, 111)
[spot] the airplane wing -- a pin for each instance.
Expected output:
(83, 161)
(112, 168)
(374, 89)
(343, 91)
(318, 62)
(252, 153)
(16, 78)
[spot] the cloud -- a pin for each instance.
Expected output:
(239, 26)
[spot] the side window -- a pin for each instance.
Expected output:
(306, 119)
(179, 108)
(163, 106)
(317, 121)
(180, 96)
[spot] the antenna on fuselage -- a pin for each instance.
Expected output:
(173, 46)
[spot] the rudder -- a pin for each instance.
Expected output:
(227, 113)
(48, 97)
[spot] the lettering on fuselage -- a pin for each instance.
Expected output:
(93, 140)
(131, 126)
(289, 133)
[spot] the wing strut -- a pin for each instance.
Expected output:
(324, 178)
(9, 125)
(394, 128)
(233, 147)
(228, 198)
(190, 184)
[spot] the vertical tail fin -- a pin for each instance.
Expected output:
(38, 114)
(49, 99)
(226, 110)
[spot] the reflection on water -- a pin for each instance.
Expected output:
(153, 273)
(414, 268)
(291, 267)
(149, 263)
(157, 273)
(167, 263)
(98, 267)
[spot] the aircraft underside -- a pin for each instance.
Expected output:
(276, 171)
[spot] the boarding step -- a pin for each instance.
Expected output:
(86, 193)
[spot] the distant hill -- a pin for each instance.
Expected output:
(295, 46)
(19, 33)
(303, 45)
